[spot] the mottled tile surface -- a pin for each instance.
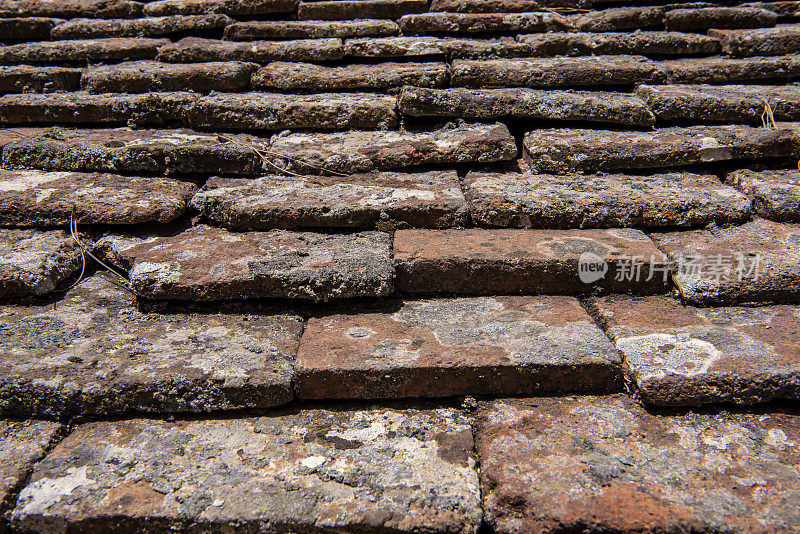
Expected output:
(775, 194)
(372, 470)
(22, 443)
(681, 356)
(470, 346)
(35, 262)
(604, 464)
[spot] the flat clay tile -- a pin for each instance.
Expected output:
(359, 9)
(687, 356)
(717, 69)
(205, 263)
(605, 464)
(384, 200)
(775, 194)
(466, 346)
(146, 27)
(35, 79)
(390, 76)
(620, 18)
(149, 76)
(69, 9)
(234, 8)
(35, 263)
(701, 19)
(196, 50)
(309, 29)
(782, 39)
(28, 28)
(646, 43)
(37, 198)
(22, 444)
(437, 23)
(81, 51)
(565, 262)
(96, 353)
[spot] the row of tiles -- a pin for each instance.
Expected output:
(391, 200)
(530, 465)
(737, 104)
(95, 353)
(777, 41)
(756, 262)
(613, 19)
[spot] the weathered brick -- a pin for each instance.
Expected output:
(273, 111)
(283, 76)
(357, 152)
(656, 43)
(95, 353)
(81, 107)
(482, 22)
(594, 106)
(205, 263)
(601, 201)
(394, 46)
(22, 444)
(502, 47)
(31, 79)
(565, 150)
(727, 103)
(488, 262)
(782, 39)
(37, 198)
(128, 151)
(232, 8)
(784, 9)
(148, 76)
(487, 6)
(340, 470)
(691, 20)
(385, 200)
(310, 29)
(147, 27)
(195, 49)
(758, 262)
(68, 9)
(81, 51)
(27, 28)
(359, 9)
(775, 194)
(469, 346)
(686, 356)
(607, 465)
(35, 263)
(619, 19)
(730, 70)
(570, 72)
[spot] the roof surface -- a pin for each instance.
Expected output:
(399, 266)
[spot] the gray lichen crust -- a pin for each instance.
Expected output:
(34, 262)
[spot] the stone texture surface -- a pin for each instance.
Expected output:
(758, 262)
(487, 262)
(384, 200)
(81, 51)
(565, 150)
(129, 151)
(606, 465)
(784, 8)
(28, 28)
(775, 194)
(196, 49)
(469, 346)
(35, 263)
(692, 20)
(499, 47)
(282, 76)
(205, 263)
(782, 39)
(68, 9)
(620, 18)
(485, 6)
(376, 469)
(274, 111)
(22, 444)
(425, 23)
(309, 29)
(146, 27)
(359, 9)
(31, 79)
(591, 106)
(95, 353)
(227, 7)
(586, 71)
(394, 46)
(726, 103)
(732, 70)
(655, 43)
(601, 201)
(37, 198)
(358, 152)
(80, 107)
(147, 76)
(686, 356)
